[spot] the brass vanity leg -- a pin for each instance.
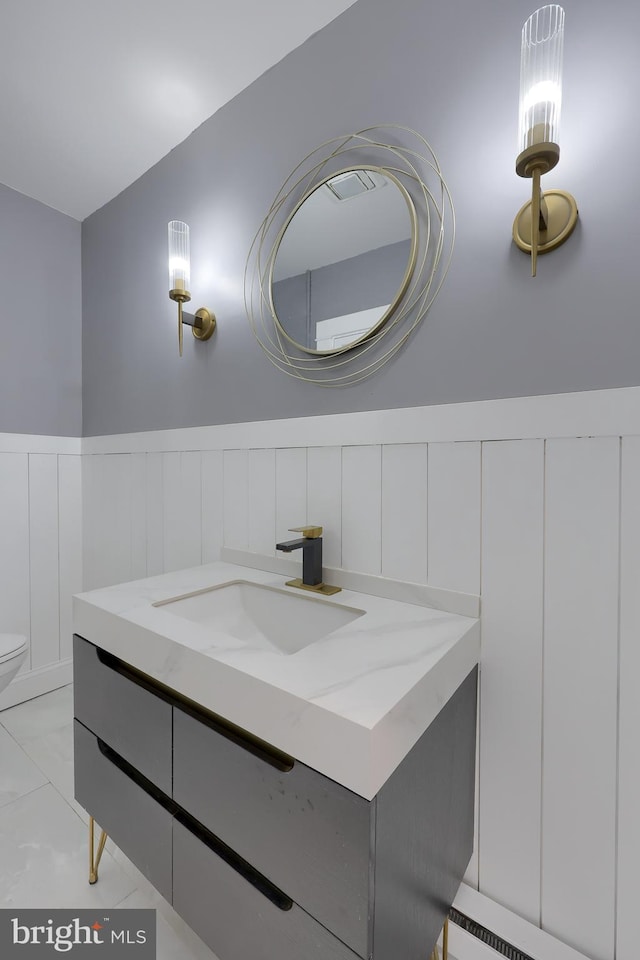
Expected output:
(94, 862)
(435, 955)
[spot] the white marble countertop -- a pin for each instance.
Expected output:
(350, 705)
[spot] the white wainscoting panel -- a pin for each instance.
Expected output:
(511, 752)
(155, 513)
(14, 545)
(291, 491)
(236, 499)
(212, 505)
(43, 559)
(628, 938)
(138, 516)
(262, 501)
(107, 531)
(588, 413)
(40, 556)
(454, 516)
(404, 511)
(324, 499)
(69, 544)
(91, 467)
(182, 492)
(118, 518)
(175, 542)
(361, 509)
(580, 693)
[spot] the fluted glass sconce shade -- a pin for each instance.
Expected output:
(549, 218)
(179, 256)
(203, 322)
(541, 77)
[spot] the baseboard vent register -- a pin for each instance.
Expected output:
(487, 936)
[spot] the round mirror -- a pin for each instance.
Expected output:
(343, 260)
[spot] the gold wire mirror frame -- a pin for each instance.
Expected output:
(414, 166)
(401, 289)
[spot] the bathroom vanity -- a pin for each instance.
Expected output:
(313, 803)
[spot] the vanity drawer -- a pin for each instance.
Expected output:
(308, 834)
(136, 821)
(115, 705)
(236, 916)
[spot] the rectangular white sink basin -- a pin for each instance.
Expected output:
(260, 616)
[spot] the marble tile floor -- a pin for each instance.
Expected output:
(43, 831)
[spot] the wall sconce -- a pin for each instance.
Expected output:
(548, 219)
(203, 322)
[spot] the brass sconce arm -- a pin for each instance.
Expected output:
(548, 219)
(538, 221)
(541, 161)
(202, 322)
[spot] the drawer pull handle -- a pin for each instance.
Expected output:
(131, 673)
(259, 748)
(254, 745)
(235, 861)
(230, 857)
(130, 771)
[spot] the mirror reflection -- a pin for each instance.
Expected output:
(344, 260)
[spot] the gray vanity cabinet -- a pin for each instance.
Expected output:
(238, 921)
(308, 834)
(263, 856)
(133, 817)
(135, 722)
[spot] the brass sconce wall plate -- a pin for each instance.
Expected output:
(204, 325)
(562, 217)
(202, 322)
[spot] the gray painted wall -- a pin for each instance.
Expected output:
(41, 341)
(451, 71)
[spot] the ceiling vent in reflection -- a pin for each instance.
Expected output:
(352, 183)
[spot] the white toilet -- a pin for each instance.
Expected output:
(13, 650)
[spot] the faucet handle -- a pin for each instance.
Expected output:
(310, 533)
